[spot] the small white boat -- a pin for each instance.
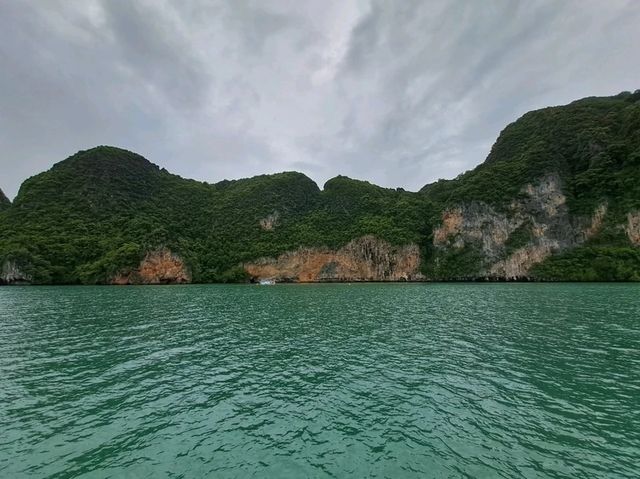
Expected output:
(267, 282)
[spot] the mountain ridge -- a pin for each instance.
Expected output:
(559, 191)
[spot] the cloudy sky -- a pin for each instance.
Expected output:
(397, 92)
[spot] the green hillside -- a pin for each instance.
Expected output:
(103, 209)
(593, 145)
(4, 201)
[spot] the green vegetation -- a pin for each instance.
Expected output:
(592, 264)
(4, 201)
(518, 238)
(99, 211)
(593, 144)
(456, 264)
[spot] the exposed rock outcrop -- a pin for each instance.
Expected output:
(363, 259)
(12, 273)
(596, 222)
(536, 225)
(269, 222)
(158, 267)
(633, 227)
(517, 265)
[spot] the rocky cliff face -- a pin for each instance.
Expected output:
(158, 267)
(269, 222)
(363, 259)
(12, 273)
(89, 215)
(633, 227)
(535, 225)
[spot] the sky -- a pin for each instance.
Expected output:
(399, 93)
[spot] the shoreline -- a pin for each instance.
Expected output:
(284, 283)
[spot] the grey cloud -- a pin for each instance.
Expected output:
(149, 45)
(397, 93)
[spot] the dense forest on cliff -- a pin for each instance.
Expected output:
(101, 210)
(593, 145)
(4, 201)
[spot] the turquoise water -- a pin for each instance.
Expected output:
(374, 380)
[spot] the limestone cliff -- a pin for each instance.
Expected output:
(269, 222)
(12, 273)
(633, 227)
(557, 198)
(363, 259)
(508, 243)
(158, 267)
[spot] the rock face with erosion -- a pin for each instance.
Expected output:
(508, 243)
(158, 267)
(363, 259)
(633, 227)
(12, 273)
(269, 222)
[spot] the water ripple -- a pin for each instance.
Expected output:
(374, 380)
